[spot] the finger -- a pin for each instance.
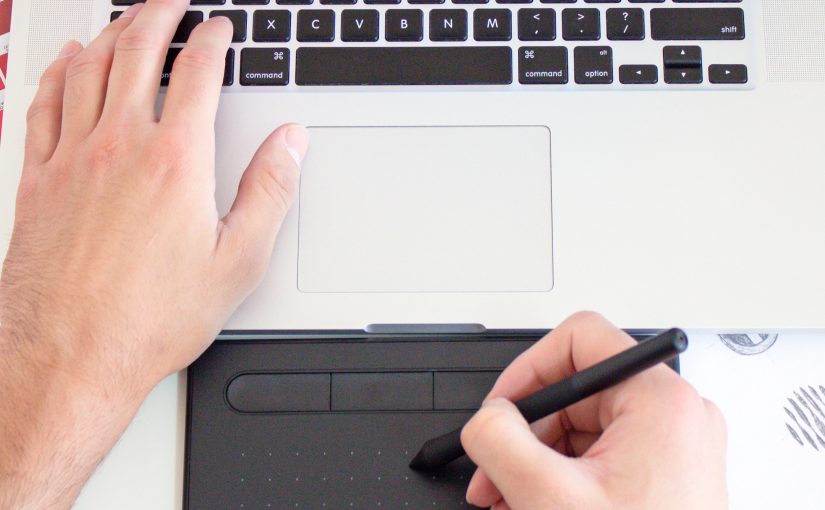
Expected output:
(43, 118)
(140, 52)
(87, 78)
(197, 76)
(265, 194)
(526, 472)
(579, 342)
(482, 491)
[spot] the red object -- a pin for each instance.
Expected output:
(5, 16)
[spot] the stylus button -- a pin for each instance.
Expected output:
(462, 390)
(403, 391)
(279, 393)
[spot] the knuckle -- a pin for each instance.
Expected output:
(138, 39)
(197, 59)
(587, 316)
(43, 104)
(715, 416)
(279, 181)
(87, 63)
(105, 149)
(488, 424)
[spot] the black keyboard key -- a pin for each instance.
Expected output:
(238, 19)
(250, 2)
(638, 74)
(433, 65)
(264, 66)
(404, 25)
(316, 25)
(625, 24)
(728, 73)
(581, 24)
(593, 65)
(425, 1)
(697, 24)
(338, 2)
(682, 56)
(537, 24)
(542, 65)
(371, 2)
(683, 75)
(293, 2)
(190, 20)
(115, 15)
(492, 25)
(359, 25)
(271, 26)
(448, 25)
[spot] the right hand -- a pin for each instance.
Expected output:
(650, 442)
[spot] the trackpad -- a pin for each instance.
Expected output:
(426, 209)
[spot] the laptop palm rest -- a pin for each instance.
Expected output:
(426, 209)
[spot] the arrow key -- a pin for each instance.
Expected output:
(683, 75)
(638, 74)
(682, 56)
(728, 74)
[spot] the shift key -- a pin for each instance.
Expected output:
(542, 65)
(264, 66)
(697, 24)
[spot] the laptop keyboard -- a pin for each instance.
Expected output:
(486, 44)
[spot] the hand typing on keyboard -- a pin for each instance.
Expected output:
(650, 442)
(119, 271)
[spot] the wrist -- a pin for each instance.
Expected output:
(55, 426)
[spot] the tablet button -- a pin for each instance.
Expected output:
(403, 391)
(462, 390)
(279, 393)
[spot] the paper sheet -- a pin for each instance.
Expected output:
(771, 388)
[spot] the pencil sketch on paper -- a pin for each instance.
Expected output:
(749, 344)
(806, 411)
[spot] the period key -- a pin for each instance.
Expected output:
(264, 66)
(542, 65)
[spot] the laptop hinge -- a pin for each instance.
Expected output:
(425, 329)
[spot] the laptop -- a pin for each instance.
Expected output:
(478, 170)
(508, 162)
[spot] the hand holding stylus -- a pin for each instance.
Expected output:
(650, 442)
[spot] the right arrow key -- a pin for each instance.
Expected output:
(728, 73)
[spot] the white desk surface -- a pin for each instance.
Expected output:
(767, 467)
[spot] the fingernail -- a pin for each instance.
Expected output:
(296, 140)
(69, 49)
(132, 11)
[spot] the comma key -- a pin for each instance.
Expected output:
(264, 66)
(542, 65)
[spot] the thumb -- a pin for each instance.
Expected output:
(527, 473)
(265, 194)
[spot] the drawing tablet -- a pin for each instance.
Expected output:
(333, 420)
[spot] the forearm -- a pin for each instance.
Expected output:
(55, 428)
